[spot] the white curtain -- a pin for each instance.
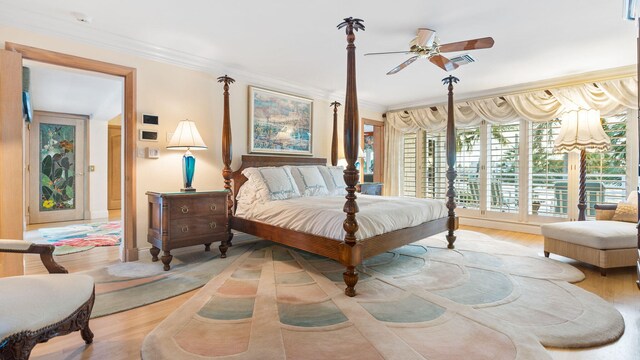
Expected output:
(610, 97)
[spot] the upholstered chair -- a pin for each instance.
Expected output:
(36, 308)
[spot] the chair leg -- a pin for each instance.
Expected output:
(87, 334)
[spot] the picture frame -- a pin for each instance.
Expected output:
(280, 123)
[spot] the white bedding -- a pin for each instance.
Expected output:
(323, 215)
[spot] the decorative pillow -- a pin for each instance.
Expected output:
(309, 180)
(626, 212)
(272, 183)
(633, 198)
(334, 178)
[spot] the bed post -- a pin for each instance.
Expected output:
(334, 139)
(451, 162)
(351, 253)
(226, 159)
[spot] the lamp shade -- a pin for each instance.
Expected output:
(186, 137)
(581, 130)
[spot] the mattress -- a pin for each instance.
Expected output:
(323, 215)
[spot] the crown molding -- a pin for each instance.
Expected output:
(593, 76)
(45, 24)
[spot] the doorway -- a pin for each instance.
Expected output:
(373, 148)
(11, 67)
(114, 173)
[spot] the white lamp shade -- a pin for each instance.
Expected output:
(186, 137)
(581, 129)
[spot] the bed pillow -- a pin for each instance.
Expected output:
(334, 178)
(626, 212)
(272, 183)
(309, 180)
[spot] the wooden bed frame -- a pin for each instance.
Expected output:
(350, 252)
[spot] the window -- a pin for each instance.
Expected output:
(468, 167)
(548, 171)
(434, 156)
(503, 168)
(495, 177)
(409, 162)
(607, 171)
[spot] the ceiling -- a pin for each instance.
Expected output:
(296, 42)
(66, 90)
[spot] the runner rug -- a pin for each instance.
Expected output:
(485, 300)
(79, 237)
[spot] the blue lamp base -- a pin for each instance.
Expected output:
(188, 169)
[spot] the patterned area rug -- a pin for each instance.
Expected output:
(485, 300)
(81, 237)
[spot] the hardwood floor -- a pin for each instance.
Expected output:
(120, 336)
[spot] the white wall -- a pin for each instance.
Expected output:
(174, 93)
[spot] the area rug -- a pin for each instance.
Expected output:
(485, 300)
(81, 237)
(125, 286)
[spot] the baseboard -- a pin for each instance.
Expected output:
(502, 225)
(100, 214)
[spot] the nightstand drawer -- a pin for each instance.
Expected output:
(183, 208)
(197, 226)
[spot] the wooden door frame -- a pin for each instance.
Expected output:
(130, 250)
(381, 155)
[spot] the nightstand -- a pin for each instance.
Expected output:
(180, 219)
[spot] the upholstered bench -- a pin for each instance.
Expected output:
(603, 243)
(35, 308)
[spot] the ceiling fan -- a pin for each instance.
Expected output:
(426, 45)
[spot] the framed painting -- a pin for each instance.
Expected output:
(279, 123)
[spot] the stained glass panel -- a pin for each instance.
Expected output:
(57, 167)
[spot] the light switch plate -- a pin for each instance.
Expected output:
(141, 152)
(153, 153)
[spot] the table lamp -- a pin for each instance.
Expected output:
(581, 130)
(186, 137)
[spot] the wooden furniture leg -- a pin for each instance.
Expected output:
(166, 260)
(207, 247)
(154, 253)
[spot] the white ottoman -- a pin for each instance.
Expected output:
(606, 244)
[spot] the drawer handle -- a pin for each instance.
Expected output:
(212, 207)
(185, 228)
(184, 209)
(213, 225)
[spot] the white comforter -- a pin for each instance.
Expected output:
(323, 215)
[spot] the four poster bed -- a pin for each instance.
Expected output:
(350, 250)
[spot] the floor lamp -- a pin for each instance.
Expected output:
(581, 130)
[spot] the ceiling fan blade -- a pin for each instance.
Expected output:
(389, 52)
(443, 63)
(425, 37)
(482, 43)
(403, 65)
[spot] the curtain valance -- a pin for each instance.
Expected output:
(609, 97)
